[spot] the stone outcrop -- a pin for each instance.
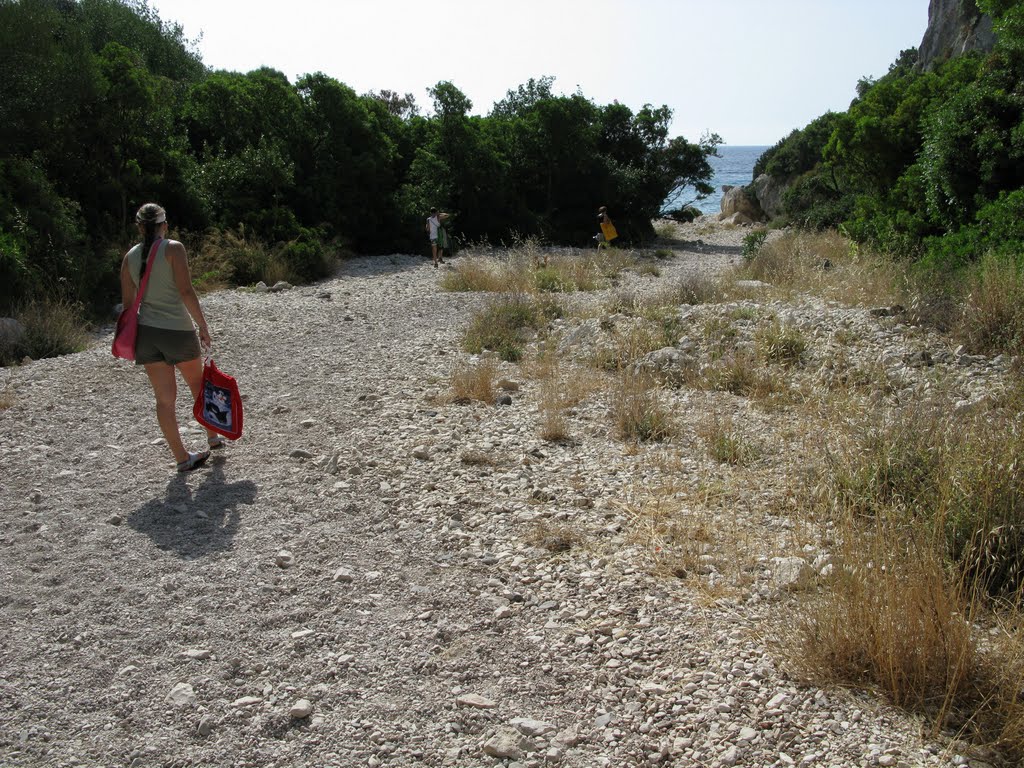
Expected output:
(769, 191)
(11, 332)
(737, 200)
(955, 27)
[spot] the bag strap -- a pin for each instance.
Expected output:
(144, 280)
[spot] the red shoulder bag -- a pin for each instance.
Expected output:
(128, 321)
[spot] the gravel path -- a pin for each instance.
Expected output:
(344, 587)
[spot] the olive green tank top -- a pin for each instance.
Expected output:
(161, 306)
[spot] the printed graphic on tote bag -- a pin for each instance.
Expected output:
(217, 405)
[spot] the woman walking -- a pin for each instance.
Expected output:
(167, 337)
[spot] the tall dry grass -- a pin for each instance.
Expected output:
(475, 381)
(925, 599)
(51, 327)
(992, 319)
(829, 265)
(527, 268)
(639, 413)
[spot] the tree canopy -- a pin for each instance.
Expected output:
(104, 106)
(925, 164)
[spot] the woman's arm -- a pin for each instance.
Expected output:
(128, 287)
(183, 282)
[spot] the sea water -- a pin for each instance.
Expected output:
(734, 167)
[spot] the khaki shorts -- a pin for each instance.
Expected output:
(162, 345)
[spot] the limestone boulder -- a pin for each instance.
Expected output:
(769, 191)
(739, 200)
(738, 218)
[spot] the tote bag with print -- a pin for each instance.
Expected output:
(219, 406)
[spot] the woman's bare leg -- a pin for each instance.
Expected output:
(165, 387)
(192, 372)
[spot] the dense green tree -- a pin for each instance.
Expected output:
(923, 162)
(347, 163)
(294, 165)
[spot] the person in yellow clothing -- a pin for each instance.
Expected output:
(608, 232)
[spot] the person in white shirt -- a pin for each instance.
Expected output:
(434, 230)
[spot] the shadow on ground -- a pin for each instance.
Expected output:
(699, 246)
(192, 523)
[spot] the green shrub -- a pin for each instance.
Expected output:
(752, 243)
(51, 328)
(505, 326)
(550, 278)
(306, 258)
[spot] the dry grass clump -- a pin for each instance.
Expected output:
(780, 343)
(554, 537)
(683, 538)
(829, 265)
(741, 373)
(890, 619)
(637, 410)
(960, 477)
(895, 619)
(560, 391)
(232, 257)
(725, 443)
(691, 289)
(477, 458)
(474, 382)
(554, 426)
(720, 337)
(489, 276)
(8, 398)
(52, 327)
(611, 262)
(527, 268)
(665, 229)
(627, 347)
(507, 324)
(993, 308)
(929, 507)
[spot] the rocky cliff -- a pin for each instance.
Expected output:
(954, 28)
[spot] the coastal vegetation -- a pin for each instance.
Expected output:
(926, 164)
(271, 179)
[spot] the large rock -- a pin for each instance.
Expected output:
(955, 27)
(738, 218)
(769, 191)
(11, 332)
(738, 200)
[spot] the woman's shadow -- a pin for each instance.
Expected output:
(193, 524)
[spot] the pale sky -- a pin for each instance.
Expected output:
(749, 70)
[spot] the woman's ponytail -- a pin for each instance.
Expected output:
(149, 216)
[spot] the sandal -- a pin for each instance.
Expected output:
(216, 443)
(194, 461)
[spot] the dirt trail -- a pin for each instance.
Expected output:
(332, 588)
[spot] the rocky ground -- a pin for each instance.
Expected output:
(377, 576)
